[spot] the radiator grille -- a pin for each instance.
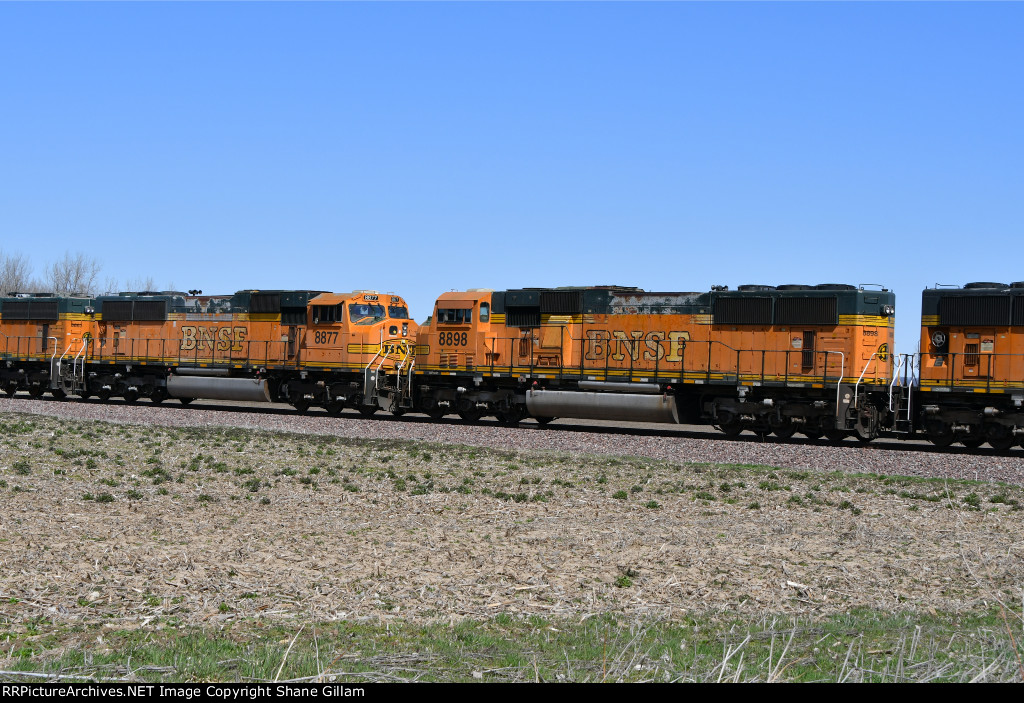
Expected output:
(561, 302)
(117, 310)
(265, 302)
(972, 310)
(150, 310)
(142, 310)
(522, 317)
(293, 316)
(1018, 311)
(743, 311)
(806, 311)
(31, 310)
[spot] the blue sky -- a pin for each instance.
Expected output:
(420, 148)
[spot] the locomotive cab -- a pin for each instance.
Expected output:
(366, 333)
(348, 330)
(460, 339)
(458, 336)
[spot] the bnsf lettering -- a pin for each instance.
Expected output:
(616, 345)
(219, 338)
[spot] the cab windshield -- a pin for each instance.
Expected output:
(363, 314)
(398, 312)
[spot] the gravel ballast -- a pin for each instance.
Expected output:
(850, 457)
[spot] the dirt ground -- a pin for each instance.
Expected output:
(130, 525)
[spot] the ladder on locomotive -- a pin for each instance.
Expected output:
(68, 374)
(901, 393)
(377, 383)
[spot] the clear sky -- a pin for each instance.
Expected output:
(419, 148)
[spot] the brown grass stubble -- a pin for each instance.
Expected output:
(357, 547)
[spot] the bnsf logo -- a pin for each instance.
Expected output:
(219, 338)
(617, 345)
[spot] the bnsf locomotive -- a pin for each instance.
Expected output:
(300, 347)
(787, 359)
(971, 365)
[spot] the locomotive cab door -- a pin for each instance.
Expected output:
(808, 351)
(44, 338)
(295, 334)
(524, 348)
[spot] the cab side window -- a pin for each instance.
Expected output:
(454, 316)
(485, 312)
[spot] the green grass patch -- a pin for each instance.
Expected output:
(860, 646)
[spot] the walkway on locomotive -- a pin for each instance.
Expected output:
(808, 336)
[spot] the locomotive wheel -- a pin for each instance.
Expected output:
(131, 396)
(58, 393)
(301, 405)
(368, 410)
(185, 401)
(972, 442)
(1003, 443)
(10, 389)
(785, 431)
(436, 413)
(103, 394)
(941, 435)
(158, 396)
(398, 412)
(335, 407)
(999, 437)
(543, 421)
(35, 391)
(813, 434)
(471, 416)
(835, 435)
(731, 429)
(510, 417)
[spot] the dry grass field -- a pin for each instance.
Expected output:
(139, 532)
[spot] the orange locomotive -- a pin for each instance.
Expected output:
(302, 347)
(971, 366)
(38, 334)
(813, 359)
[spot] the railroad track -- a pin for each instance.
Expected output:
(591, 427)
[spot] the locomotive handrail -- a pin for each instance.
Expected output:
(383, 357)
(895, 376)
(856, 387)
(54, 356)
(842, 371)
(706, 369)
(60, 361)
(951, 380)
(81, 354)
